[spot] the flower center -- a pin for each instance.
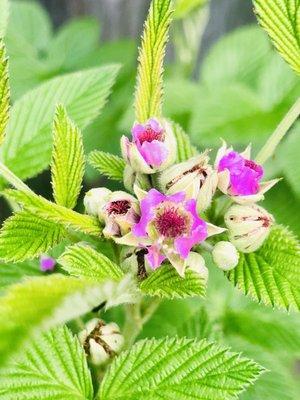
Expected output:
(251, 164)
(171, 221)
(119, 207)
(148, 135)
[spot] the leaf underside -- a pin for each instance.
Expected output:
(107, 164)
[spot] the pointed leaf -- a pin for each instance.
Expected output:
(83, 261)
(4, 11)
(53, 367)
(281, 19)
(271, 274)
(148, 97)
(67, 160)
(165, 282)
(27, 236)
(107, 164)
(41, 303)
(4, 92)
(177, 369)
(184, 146)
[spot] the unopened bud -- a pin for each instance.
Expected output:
(100, 341)
(248, 226)
(132, 178)
(225, 256)
(196, 263)
(94, 200)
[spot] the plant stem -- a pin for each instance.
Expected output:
(269, 148)
(8, 175)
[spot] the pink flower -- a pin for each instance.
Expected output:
(169, 227)
(153, 146)
(47, 263)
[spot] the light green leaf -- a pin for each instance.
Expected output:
(27, 149)
(83, 261)
(13, 273)
(177, 369)
(67, 160)
(107, 164)
(165, 282)
(148, 97)
(26, 236)
(198, 326)
(53, 212)
(4, 92)
(4, 12)
(185, 7)
(280, 18)
(53, 367)
(272, 274)
(185, 149)
(42, 303)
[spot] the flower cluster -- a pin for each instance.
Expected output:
(167, 219)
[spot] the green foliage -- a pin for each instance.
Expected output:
(4, 92)
(27, 149)
(67, 160)
(26, 236)
(107, 164)
(184, 147)
(165, 282)
(280, 18)
(41, 303)
(55, 213)
(177, 368)
(13, 273)
(54, 366)
(4, 11)
(271, 274)
(83, 261)
(148, 97)
(184, 7)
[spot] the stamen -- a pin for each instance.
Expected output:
(148, 135)
(119, 207)
(172, 222)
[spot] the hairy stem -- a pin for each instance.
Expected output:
(269, 148)
(8, 175)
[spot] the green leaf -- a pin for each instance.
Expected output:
(177, 369)
(67, 160)
(83, 261)
(280, 18)
(53, 367)
(165, 282)
(185, 148)
(185, 7)
(42, 303)
(198, 326)
(13, 273)
(4, 11)
(53, 212)
(271, 274)
(148, 97)
(27, 149)
(26, 236)
(4, 92)
(107, 164)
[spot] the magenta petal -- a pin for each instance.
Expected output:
(154, 153)
(177, 197)
(154, 125)
(137, 130)
(246, 183)
(154, 257)
(232, 161)
(184, 245)
(47, 263)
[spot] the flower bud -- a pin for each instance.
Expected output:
(153, 146)
(47, 263)
(248, 226)
(100, 341)
(225, 255)
(95, 199)
(132, 178)
(195, 177)
(196, 263)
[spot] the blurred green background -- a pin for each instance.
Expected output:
(223, 79)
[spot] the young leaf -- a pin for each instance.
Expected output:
(4, 92)
(165, 282)
(26, 236)
(67, 160)
(177, 369)
(280, 18)
(53, 366)
(272, 274)
(83, 261)
(53, 212)
(13, 273)
(27, 148)
(107, 164)
(41, 303)
(184, 147)
(4, 11)
(148, 97)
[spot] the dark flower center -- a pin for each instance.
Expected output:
(252, 165)
(119, 207)
(148, 135)
(171, 222)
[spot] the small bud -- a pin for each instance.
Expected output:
(100, 341)
(248, 226)
(225, 256)
(94, 199)
(196, 263)
(47, 263)
(132, 178)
